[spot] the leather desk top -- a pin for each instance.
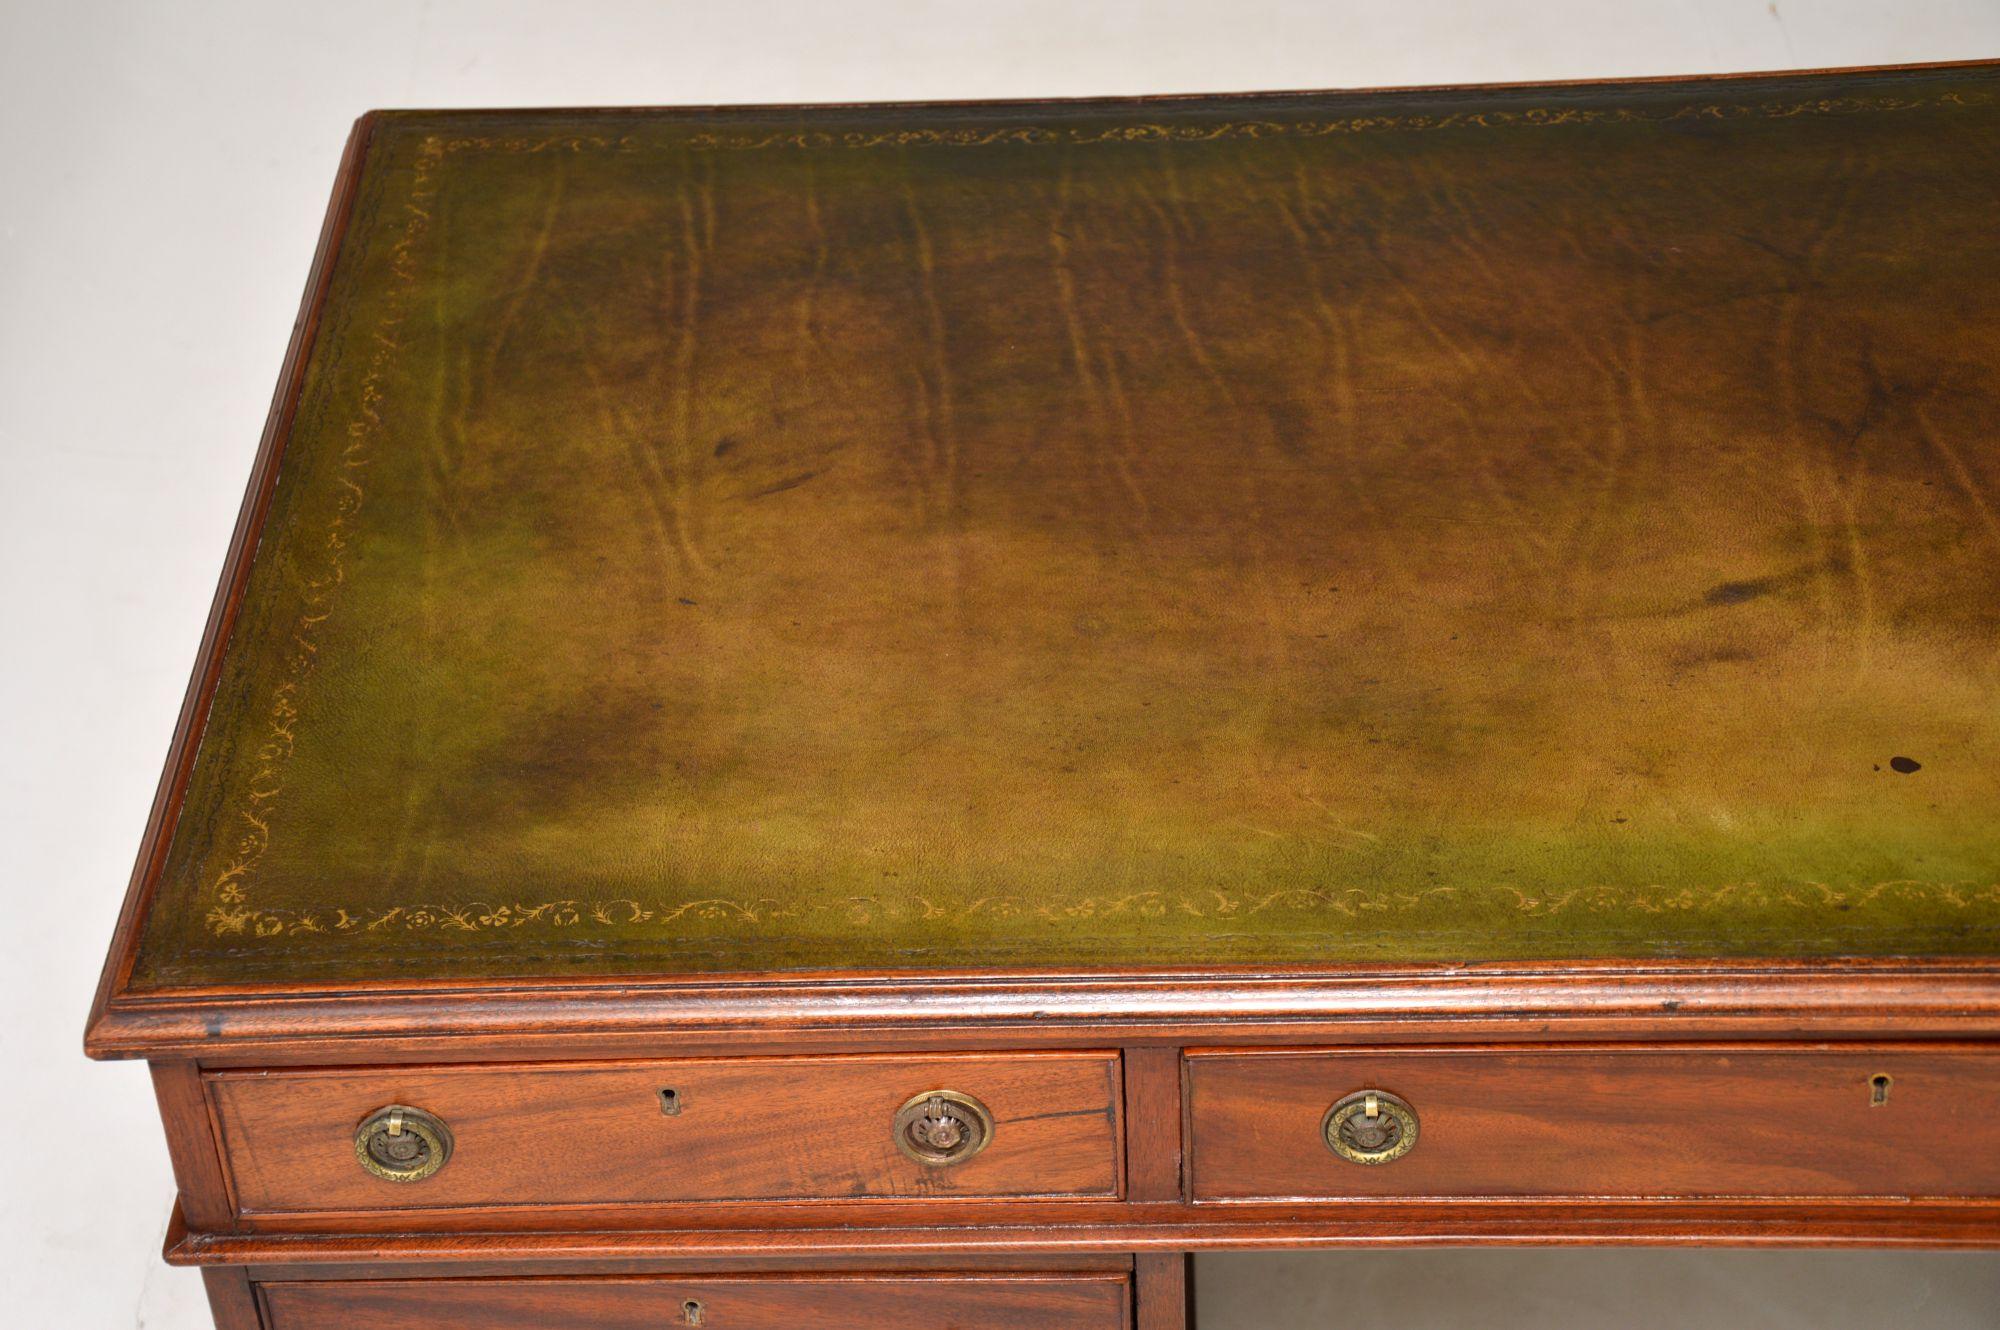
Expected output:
(1521, 524)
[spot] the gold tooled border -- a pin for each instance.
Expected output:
(231, 914)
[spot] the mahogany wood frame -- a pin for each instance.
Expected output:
(1151, 1015)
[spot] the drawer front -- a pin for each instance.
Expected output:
(879, 1302)
(1718, 1122)
(634, 1133)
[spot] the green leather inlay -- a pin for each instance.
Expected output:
(1556, 523)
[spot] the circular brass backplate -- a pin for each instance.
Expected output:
(1370, 1127)
(402, 1144)
(943, 1127)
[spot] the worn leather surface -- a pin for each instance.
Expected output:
(1540, 524)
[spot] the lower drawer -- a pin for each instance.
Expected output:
(1738, 1122)
(752, 1302)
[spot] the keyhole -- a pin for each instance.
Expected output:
(670, 1104)
(1878, 1089)
(691, 1312)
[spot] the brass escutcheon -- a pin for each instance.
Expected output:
(402, 1144)
(943, 1127)
(1370, 1127)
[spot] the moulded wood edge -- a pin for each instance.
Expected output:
(1433, 1224)
(1775, 999)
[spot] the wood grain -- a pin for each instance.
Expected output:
(232, 1299)
(198, 1172)
(1247, 1226)
(443, 1020)
(1163, 1291)
(880, 1302)
(790, 1129)
(1595, 1122)
(1153, 1123)
(703, 1266)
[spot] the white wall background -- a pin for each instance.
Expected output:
(163, 167)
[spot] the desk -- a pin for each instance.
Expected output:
(915, 711)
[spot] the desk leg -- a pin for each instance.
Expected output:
(1163, 1287)
(231, 1300)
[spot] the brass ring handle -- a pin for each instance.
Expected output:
(1370, 1127)
(940, 1128)
(402, 1144)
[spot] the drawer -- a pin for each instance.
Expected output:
(878, 1302)
(634, 1133)
(1604, 1122)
